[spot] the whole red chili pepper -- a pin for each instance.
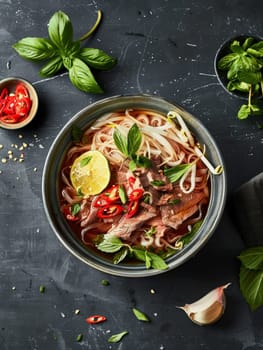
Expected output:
(96, 319)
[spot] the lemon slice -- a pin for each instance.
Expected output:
(90, 173)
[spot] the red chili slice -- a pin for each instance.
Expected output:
(112, 193)
(101, 201)
(9, 107)
(21, 91)
(131, 180)
(96, 319)
(4, 94)
(10, 118)
(132, 209)
(109, 211)
(23, 105)
(136, 194)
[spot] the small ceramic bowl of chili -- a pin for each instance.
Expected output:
(18, 103)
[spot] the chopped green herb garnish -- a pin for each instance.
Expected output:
(105, 282)
(79, 337)
(122, 194)
(140, 315)
(42, 289)
(75, 208)
(115, 338)
(157, 183)
(174, 201)
(176, 172)
(85, 161)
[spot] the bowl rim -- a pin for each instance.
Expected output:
(239, 94)
(119, 270)
(34, 99)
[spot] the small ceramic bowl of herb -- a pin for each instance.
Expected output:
(18, 103)
(238, 65)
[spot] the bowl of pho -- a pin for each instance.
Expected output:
(140, 185)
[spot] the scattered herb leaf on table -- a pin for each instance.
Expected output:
(60, 50)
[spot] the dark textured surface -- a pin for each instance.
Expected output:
(164, 48)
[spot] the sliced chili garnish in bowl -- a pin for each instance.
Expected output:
(132, 209)
(109, 211)
(136, 194)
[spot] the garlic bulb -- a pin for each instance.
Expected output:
(209, 308)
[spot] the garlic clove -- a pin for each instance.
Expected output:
(209, 308)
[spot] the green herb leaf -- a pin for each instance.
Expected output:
(85, 161)
(75, 208)
(105, 282)
(243, 112)
(134, 139)
(60, 31)
(97, 59)
(225, 62)
(82, 78)
(251, 286)
(176, 172)
(120, 255)
(252, 258)
(120, 141)
(139, 161)
(157, 183)
(115, 338)
(79, 337)
(140, 315)
(42, 289)
(109, 244)
(122, 194)
(235, 47)
(250, 77)
(156, 262)
(174, 201)
(247, 43)
(189, 236)
(238, 85)
(35, 49)
(54, 65)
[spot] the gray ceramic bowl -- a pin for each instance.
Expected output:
(50, 184)
(224, 50)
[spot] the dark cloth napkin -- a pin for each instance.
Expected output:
(247, 205)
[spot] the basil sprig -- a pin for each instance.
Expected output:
(61, 50)
(130, 145)
(244, 73)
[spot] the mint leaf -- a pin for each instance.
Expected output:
(252, 258)
(140, 315)
(251, 286)
(115, 338)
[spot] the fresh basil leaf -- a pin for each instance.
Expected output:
(85, 161)
(75, 209)
(120, 255)
(97, 59)
(175, 173)
(109, 244)
(60, 31)
(190, 235)
(225, 62)
(139, 161)
(255, 109)
(157, 262)
(140, 315)
(115, 338)
(235, 47)
(247, 43)
(255, 53)
(174, 201)
(243, 112)
(252, 258)
(34, 49)
(257, 46)
(54, 65)
(251, 286)
(134, 139)
(120, 141)
(148, 260)
(249, 77)
(237, 85)
(76, 133)
(82, 78)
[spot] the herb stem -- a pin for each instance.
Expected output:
(249, 95)
(92, 30)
